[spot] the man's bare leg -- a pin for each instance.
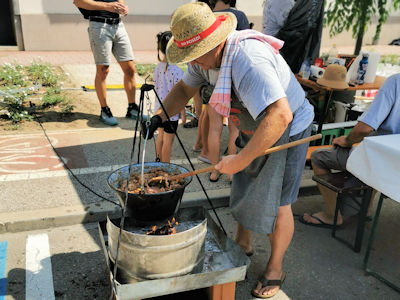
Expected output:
(243, 239)
(233, 134)
(128, 67)
(100, 83)
(198, 104)
(204, 127)
(280, 240)
(328, 214)
(183, 116)
(214, 139)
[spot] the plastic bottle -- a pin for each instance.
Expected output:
(362, 69)
(305, 69)
(333, 53)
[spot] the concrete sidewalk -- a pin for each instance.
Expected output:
(59, 58)
(37, 192)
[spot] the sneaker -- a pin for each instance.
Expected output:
(106, 117)
(133, 113)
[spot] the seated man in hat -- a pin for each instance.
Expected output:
(382, 117)
(254, 86)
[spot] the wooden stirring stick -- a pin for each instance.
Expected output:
(268, 151)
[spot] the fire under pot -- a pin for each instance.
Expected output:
(142, 256)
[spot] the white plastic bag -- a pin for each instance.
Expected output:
(373, 61)
(352, 71)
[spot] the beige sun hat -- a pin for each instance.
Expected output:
(334, 77)
(196, 30)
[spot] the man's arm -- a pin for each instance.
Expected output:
(277, 118)
(115, 7)
(357, 134)
(176, 99)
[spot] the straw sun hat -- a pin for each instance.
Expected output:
(334, 77)
(196, 30)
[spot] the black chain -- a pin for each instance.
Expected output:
(33, 110)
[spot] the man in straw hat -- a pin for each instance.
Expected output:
(256, 89)
(382, 117)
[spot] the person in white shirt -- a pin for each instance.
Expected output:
(165, 77)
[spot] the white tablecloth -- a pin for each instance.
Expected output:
(376, 162)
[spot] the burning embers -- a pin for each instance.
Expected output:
(164, 230)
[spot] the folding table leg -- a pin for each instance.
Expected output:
(222, 291)
(361, 219)
(369, 246)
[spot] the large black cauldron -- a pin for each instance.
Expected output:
(149, 207)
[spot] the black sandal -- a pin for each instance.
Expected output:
(267, 282)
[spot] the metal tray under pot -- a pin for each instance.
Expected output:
(149, 207)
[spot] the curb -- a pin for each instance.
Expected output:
(12, 222)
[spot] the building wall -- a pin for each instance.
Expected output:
(58, 25)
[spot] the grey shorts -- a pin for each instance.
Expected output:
(331, 158)
(106, 39)
(294, 167)
(270, 181)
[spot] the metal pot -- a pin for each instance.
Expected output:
(149, 207)
(143, 257)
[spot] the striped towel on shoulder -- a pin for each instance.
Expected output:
(221, 97)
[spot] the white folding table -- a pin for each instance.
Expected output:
(376, 162)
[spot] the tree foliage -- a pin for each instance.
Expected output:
(356, 15)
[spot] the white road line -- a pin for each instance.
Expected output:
(39, 276)
(81, 171)
(63, 132)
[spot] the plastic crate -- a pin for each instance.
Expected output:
(329, 134)
(346, 131)
(332, 130)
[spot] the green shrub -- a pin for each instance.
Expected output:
(17, 82)
(12, 75)
(52, 99)
(43, 74)
(16, 110)
(145, 70)
(67, 107)
(392, 59)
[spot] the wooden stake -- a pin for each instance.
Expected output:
(268, 151)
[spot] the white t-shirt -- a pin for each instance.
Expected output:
(260, 77)
(164, 80)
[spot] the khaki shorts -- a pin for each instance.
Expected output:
(331, 158)
(106, 39)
